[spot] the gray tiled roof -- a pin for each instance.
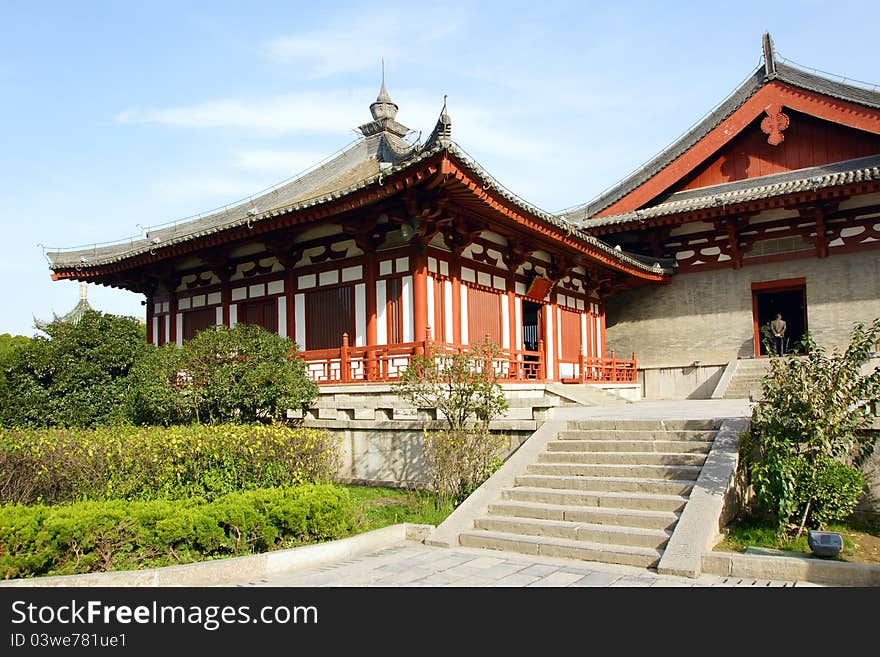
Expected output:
(379, 154)
(784, 73)
(743, 191)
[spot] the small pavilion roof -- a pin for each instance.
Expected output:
(75, 314)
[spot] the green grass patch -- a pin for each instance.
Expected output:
(861, 541)
(376, 507)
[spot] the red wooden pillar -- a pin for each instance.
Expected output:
(513, 354)
(371, 271)
(420, 296)
(344, 365)
(455, 272)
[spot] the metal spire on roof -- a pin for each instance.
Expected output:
(769, 55)
(384, 112)
(384, 107)
(383, 92)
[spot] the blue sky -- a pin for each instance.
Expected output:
(117, 116)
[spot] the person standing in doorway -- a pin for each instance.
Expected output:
(778, 327)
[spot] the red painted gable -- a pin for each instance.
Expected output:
(807, 142)
(765, 103)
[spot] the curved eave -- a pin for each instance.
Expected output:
(755, 199)
(546, 226)
(366, 192)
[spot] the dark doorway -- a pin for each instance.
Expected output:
(531, 336)
(790, 301)
(531, 323)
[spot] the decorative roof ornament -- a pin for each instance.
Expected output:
(74, 315)
(769, 56)
(384, 112)
(384, 107)
(442, 132)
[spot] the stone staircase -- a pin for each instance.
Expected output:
(602, 490)
(584, 394)
(746, 380)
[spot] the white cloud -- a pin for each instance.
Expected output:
(359, 45)
(306, 112)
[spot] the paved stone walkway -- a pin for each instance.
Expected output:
(409, 563)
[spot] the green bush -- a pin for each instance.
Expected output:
(459, 461)
(463, 388)
(78, 376)
(53, 465)
(243, 374)
(116, 535)
(809, 429)
(834, 488)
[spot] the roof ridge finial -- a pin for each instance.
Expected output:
(769, 55)
(383, 96)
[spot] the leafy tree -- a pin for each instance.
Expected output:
(243, 374)
(78, 376)
(463, 388)
(9, 342)
(808, 434)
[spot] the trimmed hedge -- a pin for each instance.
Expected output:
(62, 465)
(87, 537)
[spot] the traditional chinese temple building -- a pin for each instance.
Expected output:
(388, 247)
(770, 204)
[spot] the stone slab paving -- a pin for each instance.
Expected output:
(409, 563)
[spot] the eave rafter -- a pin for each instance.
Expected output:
(823, 234)
(543, 235)
(793, 201)
(431, 211)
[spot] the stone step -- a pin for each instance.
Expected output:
(594, 515)
(665, 446)
(644, 425)
(561, 547)
(623, 458)
(622, 434)
(605, 499)
(576, 531)
(607, 484)
(681, 472)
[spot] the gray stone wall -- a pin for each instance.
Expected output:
(680, 381)
(707, 316)
(382, 438)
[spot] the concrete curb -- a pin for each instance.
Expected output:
(477, 504)
(222, 571)
(724, 381)
(699, 527)
(806, 568)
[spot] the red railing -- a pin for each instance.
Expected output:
(383, 363)
(602, 370)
